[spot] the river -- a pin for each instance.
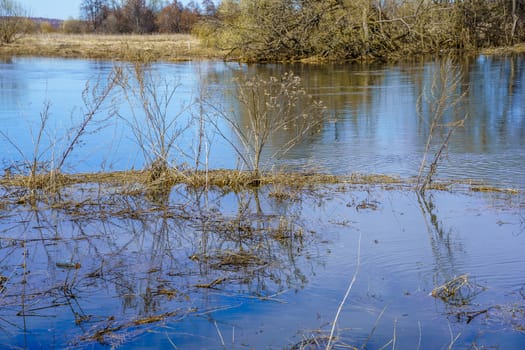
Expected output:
(372, 123)
(106, 265)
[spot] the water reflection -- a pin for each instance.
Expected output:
(71, 257)
(443, 241)
(372, 124)
(120, 265)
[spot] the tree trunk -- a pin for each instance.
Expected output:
(514, 22)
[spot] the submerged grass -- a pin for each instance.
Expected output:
(458, 291)
(160, 260)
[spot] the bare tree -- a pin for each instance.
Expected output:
(169, 20)
(209, 8)
(94, 11)
(139, 17)
(12, 21)
(156, 5)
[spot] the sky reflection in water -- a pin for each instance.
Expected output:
(265, 272)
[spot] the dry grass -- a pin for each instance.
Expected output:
(284, 183)
(459, 291)
(158, 47)
(482, 188)
(505, 50)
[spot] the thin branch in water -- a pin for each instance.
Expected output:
(452, 338)
(387, 344)
(442, 97)
(363, 346)
(220, 334)
(394, 337)
(340, 308)
(420, 335)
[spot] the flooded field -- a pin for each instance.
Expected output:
(98, 266)
(108, 241)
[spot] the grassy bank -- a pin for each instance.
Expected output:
(515, 49)
(165, 47)
(157, 47)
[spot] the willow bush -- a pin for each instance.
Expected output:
(283, 30)
(268, 108)
(12, 21)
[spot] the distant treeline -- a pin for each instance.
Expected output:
(283, 30)
(128, 16)
(277, 30)
(114, 17)
(141, 16)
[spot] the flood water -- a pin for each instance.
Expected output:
(212, 270)
(372, 124)
(105, 265)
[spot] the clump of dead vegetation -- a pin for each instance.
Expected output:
(285, 186)
(229, 179)
(459, 291)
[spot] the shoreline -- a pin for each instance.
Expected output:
(154, 47)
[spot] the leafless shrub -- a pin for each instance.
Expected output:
(154, 124)
(440, 107)
(12, 21)
(41, 167)
(94, 98)
(266, 107)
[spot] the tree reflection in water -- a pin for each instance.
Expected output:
(165, 254)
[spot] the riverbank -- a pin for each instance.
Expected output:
(161, 47)
(157, 47)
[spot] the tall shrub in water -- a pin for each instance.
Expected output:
(441, 108)
(155, 122)
(266, 107)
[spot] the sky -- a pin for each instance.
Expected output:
(61, 9)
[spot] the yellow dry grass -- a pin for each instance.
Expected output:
(220, 178)
(157, 47)
(228, 179)
(505, 50)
